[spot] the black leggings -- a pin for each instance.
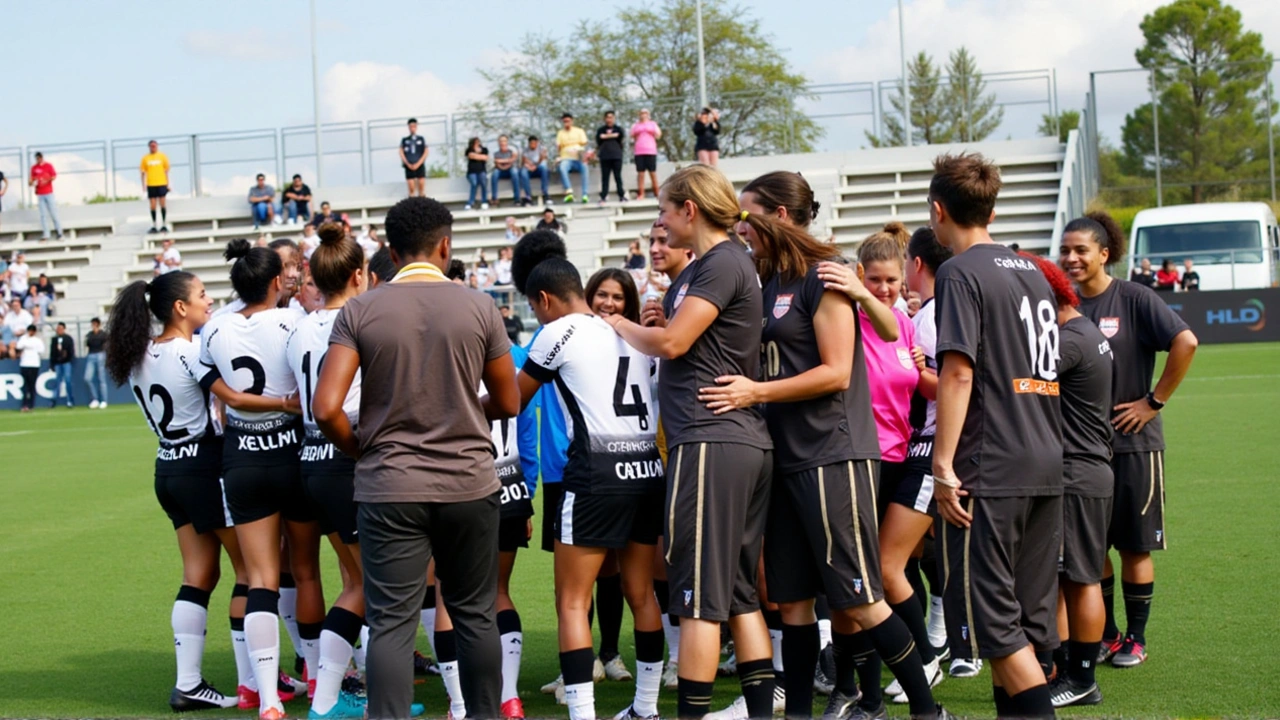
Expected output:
(29, 376)
(615, 167)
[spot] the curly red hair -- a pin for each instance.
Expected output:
(1063, 293)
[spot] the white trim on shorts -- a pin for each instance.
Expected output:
(925, 496)
(566, 518)
(226, 511)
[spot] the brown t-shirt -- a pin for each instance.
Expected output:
(422, 433)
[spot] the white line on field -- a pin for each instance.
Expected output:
(1234, 377)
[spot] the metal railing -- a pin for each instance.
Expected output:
(1248, 267)
(125, 164)
(72, 159)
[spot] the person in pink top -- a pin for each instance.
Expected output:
(645, 133)
(42, 176)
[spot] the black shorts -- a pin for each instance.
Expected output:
(410, 174)
(608, 521)
(262, 475)
(194, 499)
(646, 163)
(716, 507)
(1084, 538)
(513, 534)
(157, 191)
(891, 477)
(1001, 575)
(551, 494)
(822, 536)
(331, 496)
(915, 484)
(1137, 514)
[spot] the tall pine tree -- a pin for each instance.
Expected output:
(929, 121)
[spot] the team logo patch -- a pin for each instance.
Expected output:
(904, 359)
(1109, 326)
(964, 632)
(1159, 535)
(688, 598)
(857, 586)
(680, 296)
(782, 305)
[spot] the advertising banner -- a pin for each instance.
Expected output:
(11, 387)
(1229, 316)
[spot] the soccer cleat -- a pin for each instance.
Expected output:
(202, 697)
(840, 706)
(1131, 654)
(289, 686)
(416, 709)
(597, 671)
(311, 689)
(631, 714)
(671, 676)
(513, 709)
(938, 714)
(272, 713)
(1109, 648)
(348, 707)
(424, 665)
(300, 666)
(779, 699)
(822, 684)
(736, 711)
(729, 667)
(617, 671)
(964, 668)
(932, 670)
(876, 713)
(1064, 691)
(568, 198)
(551, 687)
(354, 685)
(560, 699)
(246, 699)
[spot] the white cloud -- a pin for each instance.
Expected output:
(251, 45)
(370, 90)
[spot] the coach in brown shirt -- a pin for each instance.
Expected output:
(424, 479)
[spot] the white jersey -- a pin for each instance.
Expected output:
(605, 390)
(306, 349)
(249, 353)
(172, 388)
(927, 341)
(516, 500)
(234, 305)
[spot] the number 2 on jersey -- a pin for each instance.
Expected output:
(1042, 346)
(637, 407)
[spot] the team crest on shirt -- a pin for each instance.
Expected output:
(782, 305)
(905, 359)
(680, 296)
(1109, 326)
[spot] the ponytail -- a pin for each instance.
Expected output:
(129, 327)
(786, 249)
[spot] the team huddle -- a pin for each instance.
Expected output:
(779, 445)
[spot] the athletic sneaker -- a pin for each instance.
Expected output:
(484, 206)
(933, 671)
(1064, 691)
(616, 670)
(631, 714)
(348, 707)
(779, 699)
(423, 665)
(93, 405)
(585, 200)
(1131, 654)
(272, 713)
(354, 685)
(876, 713)
(1109, 648)
(965, 668)
(736, 711)
(248, 699)
(201, 697)
(597, 671)
(291, 685)
(568, 198)
(671, 676)
(729, 667)
(513, 709)
(551, 687)
(841, 706)
(824, 674)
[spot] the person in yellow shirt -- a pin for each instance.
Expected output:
(574, 156)
(155, 177)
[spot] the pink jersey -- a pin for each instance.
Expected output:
(645, 135)
(893, 377)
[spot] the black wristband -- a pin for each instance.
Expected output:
(1153, 402)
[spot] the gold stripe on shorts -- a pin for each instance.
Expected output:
(1151, 485)
(1160, 460)
(857, 527)
(875, 502)
(822, 504)
(675, 492)
(968, 591)
(697, 543)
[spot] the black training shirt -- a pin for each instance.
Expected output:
(610, 149)
(1085, 378)
(414, 147)
(997, 309)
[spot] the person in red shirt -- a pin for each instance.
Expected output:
(42, 177)
(1166, 277)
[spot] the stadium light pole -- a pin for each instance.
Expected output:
(315, 98)
(702, 61)
(906, 93)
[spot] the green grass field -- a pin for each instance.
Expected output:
(89, 569)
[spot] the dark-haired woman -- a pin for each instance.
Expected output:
(338, 272)
(260, 464)
(1167, 277)
(706, 130)
(477, 173)
(172, 388)
(1137, 324)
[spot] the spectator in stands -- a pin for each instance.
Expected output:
(42, 177)
(550, 222)
(262, 198)
(457, 272)
(19, 276)
(609, 142)
(707, 129)
(535, 161)
(645, 134)
(1166, 276)
(502, 268)
(170, 258)
(571, 142)
(40, 297)
(1190, 278)
(325, 215)
(95, 364)
(297, 201)
(309, 241)
(62, 356)
(1143, 275)
(513, 232)
(636, 258)
(155, 177)
(506, 167)
(15, 324)
(1015, 247)
(28, 349)
(512, 324)
(4, 285)
(413, 157)
(477, 173)
(482, 272)
(368, 241)
(4, 188)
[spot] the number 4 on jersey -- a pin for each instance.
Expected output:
(637, 407)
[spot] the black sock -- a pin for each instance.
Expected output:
(846, 679)
(344, 623)
(820, 607)
(662, 591)
(1109, 631)
(164, 215)
(893, 642)
(1060, 659)
(446, 646)
(693, 699)
(912, 613)
(1002, 701)
(429, 598)
(576, 666)
(1045, 658)
(917, 585)
(649, 646)
(867, 663)
(799, 651)
(1137, 608)
(153, 217)
(756, 678)
(1081, 657)
(286, 580)
(609, 598)
(1033, 702)
(929, 567)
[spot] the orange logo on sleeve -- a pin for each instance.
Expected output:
(1033, 386)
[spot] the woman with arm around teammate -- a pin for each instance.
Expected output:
(1137, 324)
(172, 388)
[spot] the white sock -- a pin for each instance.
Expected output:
(361, 652)
(188, 620)
(648, 681)
(581, 699)
(288, 607)
(512, 650)
(672, 633)
(775, 636)
(824, 633)
(311, 656)
(262, 636)
(428, 617)
(335, 653)
(244, 668)
(453, 687)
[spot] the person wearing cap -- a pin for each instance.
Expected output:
(572, 144)
(42, 177)
(155, 177)
(262, 198)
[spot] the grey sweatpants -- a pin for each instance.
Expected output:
(396, 542)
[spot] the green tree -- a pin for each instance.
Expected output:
(648, 57)
(1067, 121)
(929, 118)
(973, 111)
(1209, 74)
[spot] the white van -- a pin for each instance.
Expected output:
(1233, 245)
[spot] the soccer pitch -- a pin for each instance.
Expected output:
(89, 569)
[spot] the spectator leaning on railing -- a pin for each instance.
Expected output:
(155, 176)
(535, 162)
(42, 177)
(95, 365)
(262, 198)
